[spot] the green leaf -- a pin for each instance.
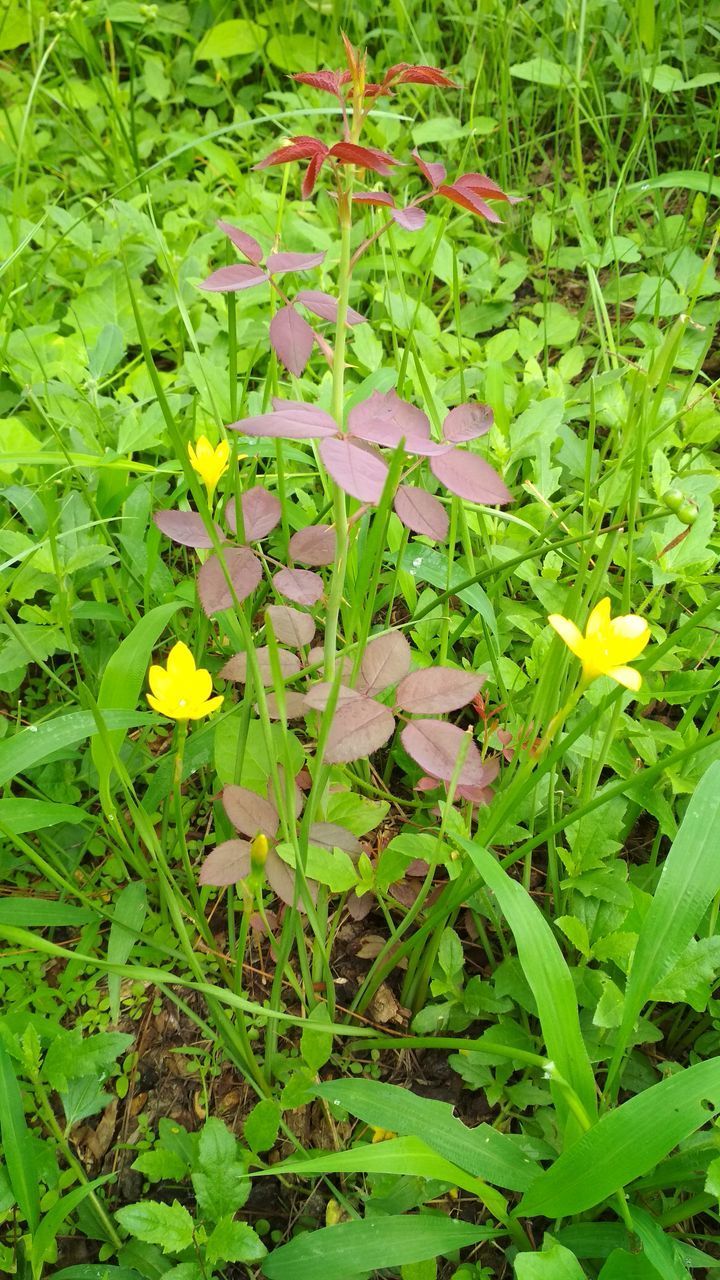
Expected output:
(17, 1143)
(130, 909)
(19, 815)
(481, 1151)
(44, 1238)
(96, 1271)
(332, 867)
(428, 565)
(38, 913)
(660, 1249)
(32, 746)
(14, 26)
(107, 352)
(221, 1182)
(228, 39)
(548, 976)
(122, 681)
(356, 1248)
(72, 1056)
(262, 1125)
(622, 1265)
(216, 1145)
(685, 179)
(158, 1165)
(541, 71)
(626, 1143)
(554, 1263)
(688, 883)
(316, 1041)
(233, 1241)
(167, 1225)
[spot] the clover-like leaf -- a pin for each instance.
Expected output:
(244, 570)
(421, 512)
(437, 690)
(470, 477)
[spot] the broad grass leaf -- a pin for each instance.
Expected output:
(360, 726)
(436, 745)
(437, 690)
(626, 1143)
(303, 586)
(245, 243)
(355, 1248)
(42, 913)
(229, 39)
(421, 512)
(227, 864)
(32, 745)
(130, 909)
(121, 683)
(18, 1145)
(549, 977)
(659, 1248)
(185, 527)
(290, 626)
(467, 422)
(289, 420)
(261, 513)
(325, 306)
(236, 667)
(314, 545)
(359, 473)
(470, 477)
(241, 275)
(245, 573)
(292, 339)
(385, 661)
(481, 1151)
(689, 881)
(18, 814)
(43, 1241)
(555, 1262)
(622, 1265)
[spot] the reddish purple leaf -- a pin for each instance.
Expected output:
(390, 417)
(467, 422)
(467, 199)
(242, 241)
(261, 513)
(279, 263)
(250, 813)
(290, 420)
(405, 73)
(311, 175)
(435, 173)
(421, 512)
(482, 186)
(295, 705)
(227, 864)
(281, 879)
(435, 745)
(301, 147)
(374, 197)
(360, 474)
(332, 836)
(241, 275)
(318, 695)
(236, 667)
(244, 570)
(290, 626)
(360, 727)
(300, 585)
(363, 157)
(185, 527)
(385, 661)
(325, 306)
(328, 81)
(314, 545)
(411, 218)
(437, 690)
(470, 477)
(292, 339)
(426, 448)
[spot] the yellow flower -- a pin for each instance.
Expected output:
(182, 692)
(381, 1135)
(608, 643)
(210, 463)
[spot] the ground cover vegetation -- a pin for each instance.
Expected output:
(358, 634)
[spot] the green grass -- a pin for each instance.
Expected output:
(191, 1075)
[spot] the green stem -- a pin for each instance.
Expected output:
(338, 395)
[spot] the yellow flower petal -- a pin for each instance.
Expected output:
(599, 618)
(159, 681)
(200, 687)
(568, 631)
(180, 663)
(198, 710)
(626, 676)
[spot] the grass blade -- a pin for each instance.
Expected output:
(17, 1143)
